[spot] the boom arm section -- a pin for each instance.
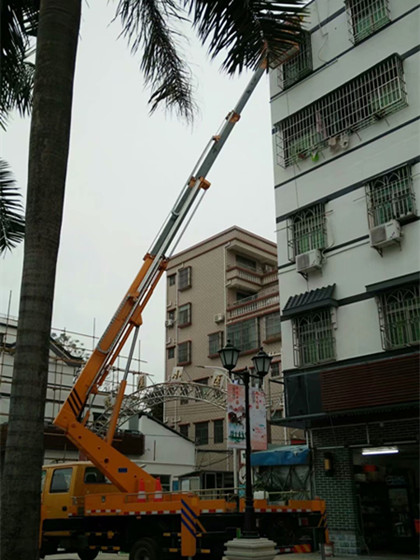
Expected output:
(120, 470)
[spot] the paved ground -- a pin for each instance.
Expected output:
(311, 556)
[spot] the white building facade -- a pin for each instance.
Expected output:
(345, 116)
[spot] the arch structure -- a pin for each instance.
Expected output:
(146, 398)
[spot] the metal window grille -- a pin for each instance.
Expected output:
(306, 230)
(390, 197)
(272, 325)
(298, 66)
(399, 317)
(244, 335)
(313, 339)
(333, 118)
(364, 17)
(184, 278)
(184, 352)
(215, 342)
(184, 315)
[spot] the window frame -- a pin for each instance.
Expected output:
(237, 338)
(188, 346)
(314, 350)
(215, 338)
(184, 309)
(172, 279)
(390, 196)
(269, 333)
(183, 427)
(303, 60)
(64, 472)
(170, 352)
(363, 25)
(306, 231)
(219, 429)
(398, 332)
(184, 283)
(198, 437)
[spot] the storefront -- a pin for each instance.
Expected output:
(387, 490)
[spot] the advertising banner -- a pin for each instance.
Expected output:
(236, 418)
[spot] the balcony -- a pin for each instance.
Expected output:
(253, 305)
(245, 279)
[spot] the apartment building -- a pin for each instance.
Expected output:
(224, 288)
(345, 116)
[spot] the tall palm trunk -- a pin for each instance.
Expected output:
(49, 145)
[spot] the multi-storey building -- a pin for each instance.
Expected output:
(224, 288)
(345, 115)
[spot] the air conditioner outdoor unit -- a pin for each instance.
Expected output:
(312, 260)
(169, 323)
(385, 234)
(219, 318)
(169, 340)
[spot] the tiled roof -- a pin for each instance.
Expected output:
(307, 301)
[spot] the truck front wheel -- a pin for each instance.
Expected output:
(144, 549)
(88, 554)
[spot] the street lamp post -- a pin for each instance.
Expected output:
(229, 356)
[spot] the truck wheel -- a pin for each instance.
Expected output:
(88, 554)
(144, 549)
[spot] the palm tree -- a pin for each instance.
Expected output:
(246, 31)
(12, 223)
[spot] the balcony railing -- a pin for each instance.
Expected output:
(253, 304)
(237, 273)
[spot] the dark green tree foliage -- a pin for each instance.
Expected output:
(12, 223)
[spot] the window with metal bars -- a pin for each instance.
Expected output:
(306, 231)
(313, 339)
(201, 433)
(390, 197)
(244, 335)
(333, 118)
(297, 67)
(399, 316)
(184, 315)
(184, 352)
(365, 17)
(184, 278)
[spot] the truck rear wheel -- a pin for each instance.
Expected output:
(144, 549)
(88, 554)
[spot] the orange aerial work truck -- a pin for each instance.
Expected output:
(111, 504)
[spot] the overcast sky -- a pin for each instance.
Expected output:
(126, 169)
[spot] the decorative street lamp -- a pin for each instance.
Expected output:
(229, 357)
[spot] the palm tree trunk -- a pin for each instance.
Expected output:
(48, 153)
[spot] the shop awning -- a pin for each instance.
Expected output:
(285, 455)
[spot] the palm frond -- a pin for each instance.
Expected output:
(148, 26)
(12, 222)
(249, 30)
(18, 22)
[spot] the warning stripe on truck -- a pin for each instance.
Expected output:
(297, 548)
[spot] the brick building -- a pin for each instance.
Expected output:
(346, 145)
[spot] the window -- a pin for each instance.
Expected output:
(275, 369)
(184, 352)
(201, 433)
(165, 481)
(272, 325)
(171, 352)
(171, 315)
(218, 434)
(245, 262)
(43, 475)
(399, 317)
(331, 120)
(365, 17)
(313, 339)
(60, 482)
(93, 476)
(184, 315)
(390, 197)
(184, 278)
(297, 67)
(215, 343)
(244, 335)
(171, 279)
(306, 230)
(184, 429)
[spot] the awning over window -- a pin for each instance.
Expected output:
(308, 301)
(285, 455)
(394, 282)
